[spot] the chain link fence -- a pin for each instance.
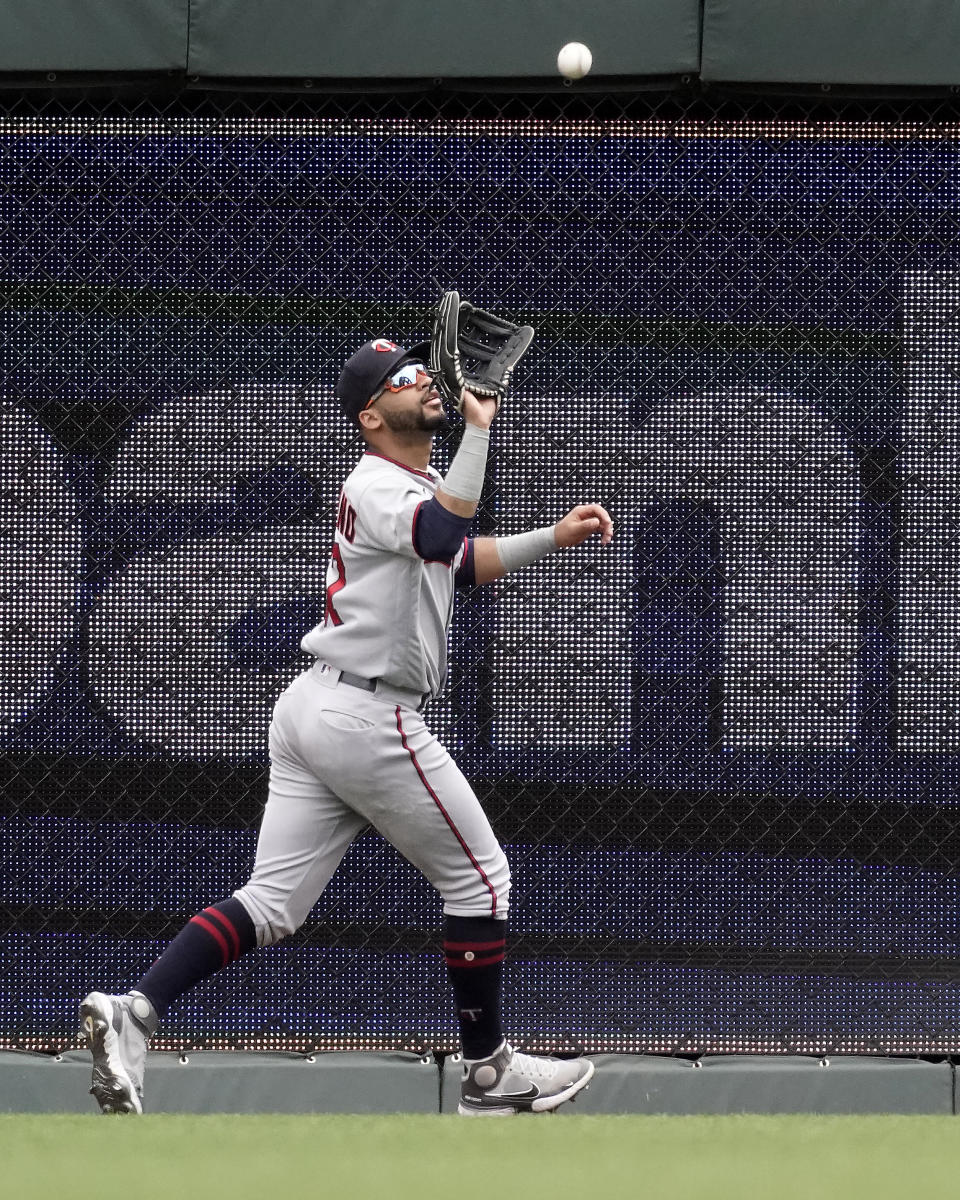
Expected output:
(722, 753)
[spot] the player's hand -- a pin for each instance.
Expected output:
(581, 522)
(479, 410)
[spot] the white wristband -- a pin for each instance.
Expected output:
(521, 549)
(465, 477)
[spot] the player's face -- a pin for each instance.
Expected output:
(410, 403)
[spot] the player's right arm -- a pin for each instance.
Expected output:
(469, 465)
(443, 521)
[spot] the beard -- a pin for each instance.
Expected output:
(416, 422)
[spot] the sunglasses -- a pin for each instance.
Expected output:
(405, 376)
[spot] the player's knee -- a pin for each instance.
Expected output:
(483, 893)
(271, 932)
(271, 919)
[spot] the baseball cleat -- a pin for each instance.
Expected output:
(116, 1029)
(509, 1082)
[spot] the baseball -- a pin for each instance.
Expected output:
(574, 60)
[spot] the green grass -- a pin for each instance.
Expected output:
(529, 1158)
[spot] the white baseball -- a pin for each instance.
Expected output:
(574, 60)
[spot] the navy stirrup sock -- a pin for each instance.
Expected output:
(209, 941)
(474, 949)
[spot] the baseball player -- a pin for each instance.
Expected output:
(349, 746)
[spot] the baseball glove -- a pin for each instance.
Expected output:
(474, 349)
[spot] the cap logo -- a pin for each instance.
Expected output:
(383, 345)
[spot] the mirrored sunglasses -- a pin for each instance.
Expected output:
(406, 375)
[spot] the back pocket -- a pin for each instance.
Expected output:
(346, 722)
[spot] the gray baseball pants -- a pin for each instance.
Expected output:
(342, 758)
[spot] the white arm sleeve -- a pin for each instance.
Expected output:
(520, 549)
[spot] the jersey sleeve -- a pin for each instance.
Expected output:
(386, 508)
(437, 533)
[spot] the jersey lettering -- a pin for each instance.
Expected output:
(347, 519)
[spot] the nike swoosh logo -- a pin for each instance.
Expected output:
(531, 1093)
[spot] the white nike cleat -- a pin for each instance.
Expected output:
(116, 1029)
(509, 1082)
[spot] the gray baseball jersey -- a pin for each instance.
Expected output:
(387, 614)
(342, 757)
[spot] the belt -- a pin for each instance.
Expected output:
(357, 681)
(332, 676)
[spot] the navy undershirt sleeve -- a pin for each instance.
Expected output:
(466, 575)
(437, 532)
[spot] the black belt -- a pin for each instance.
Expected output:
(358, 681)
(376, 687)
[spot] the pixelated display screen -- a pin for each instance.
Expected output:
(748, 349)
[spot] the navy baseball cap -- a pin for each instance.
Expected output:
(365, 372)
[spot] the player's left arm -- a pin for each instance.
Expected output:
(495, 557)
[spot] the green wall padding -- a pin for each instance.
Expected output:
(868, 42)
(416, 39)
(108, 35)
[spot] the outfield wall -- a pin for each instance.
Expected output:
(410, 1083)
(635, 43)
